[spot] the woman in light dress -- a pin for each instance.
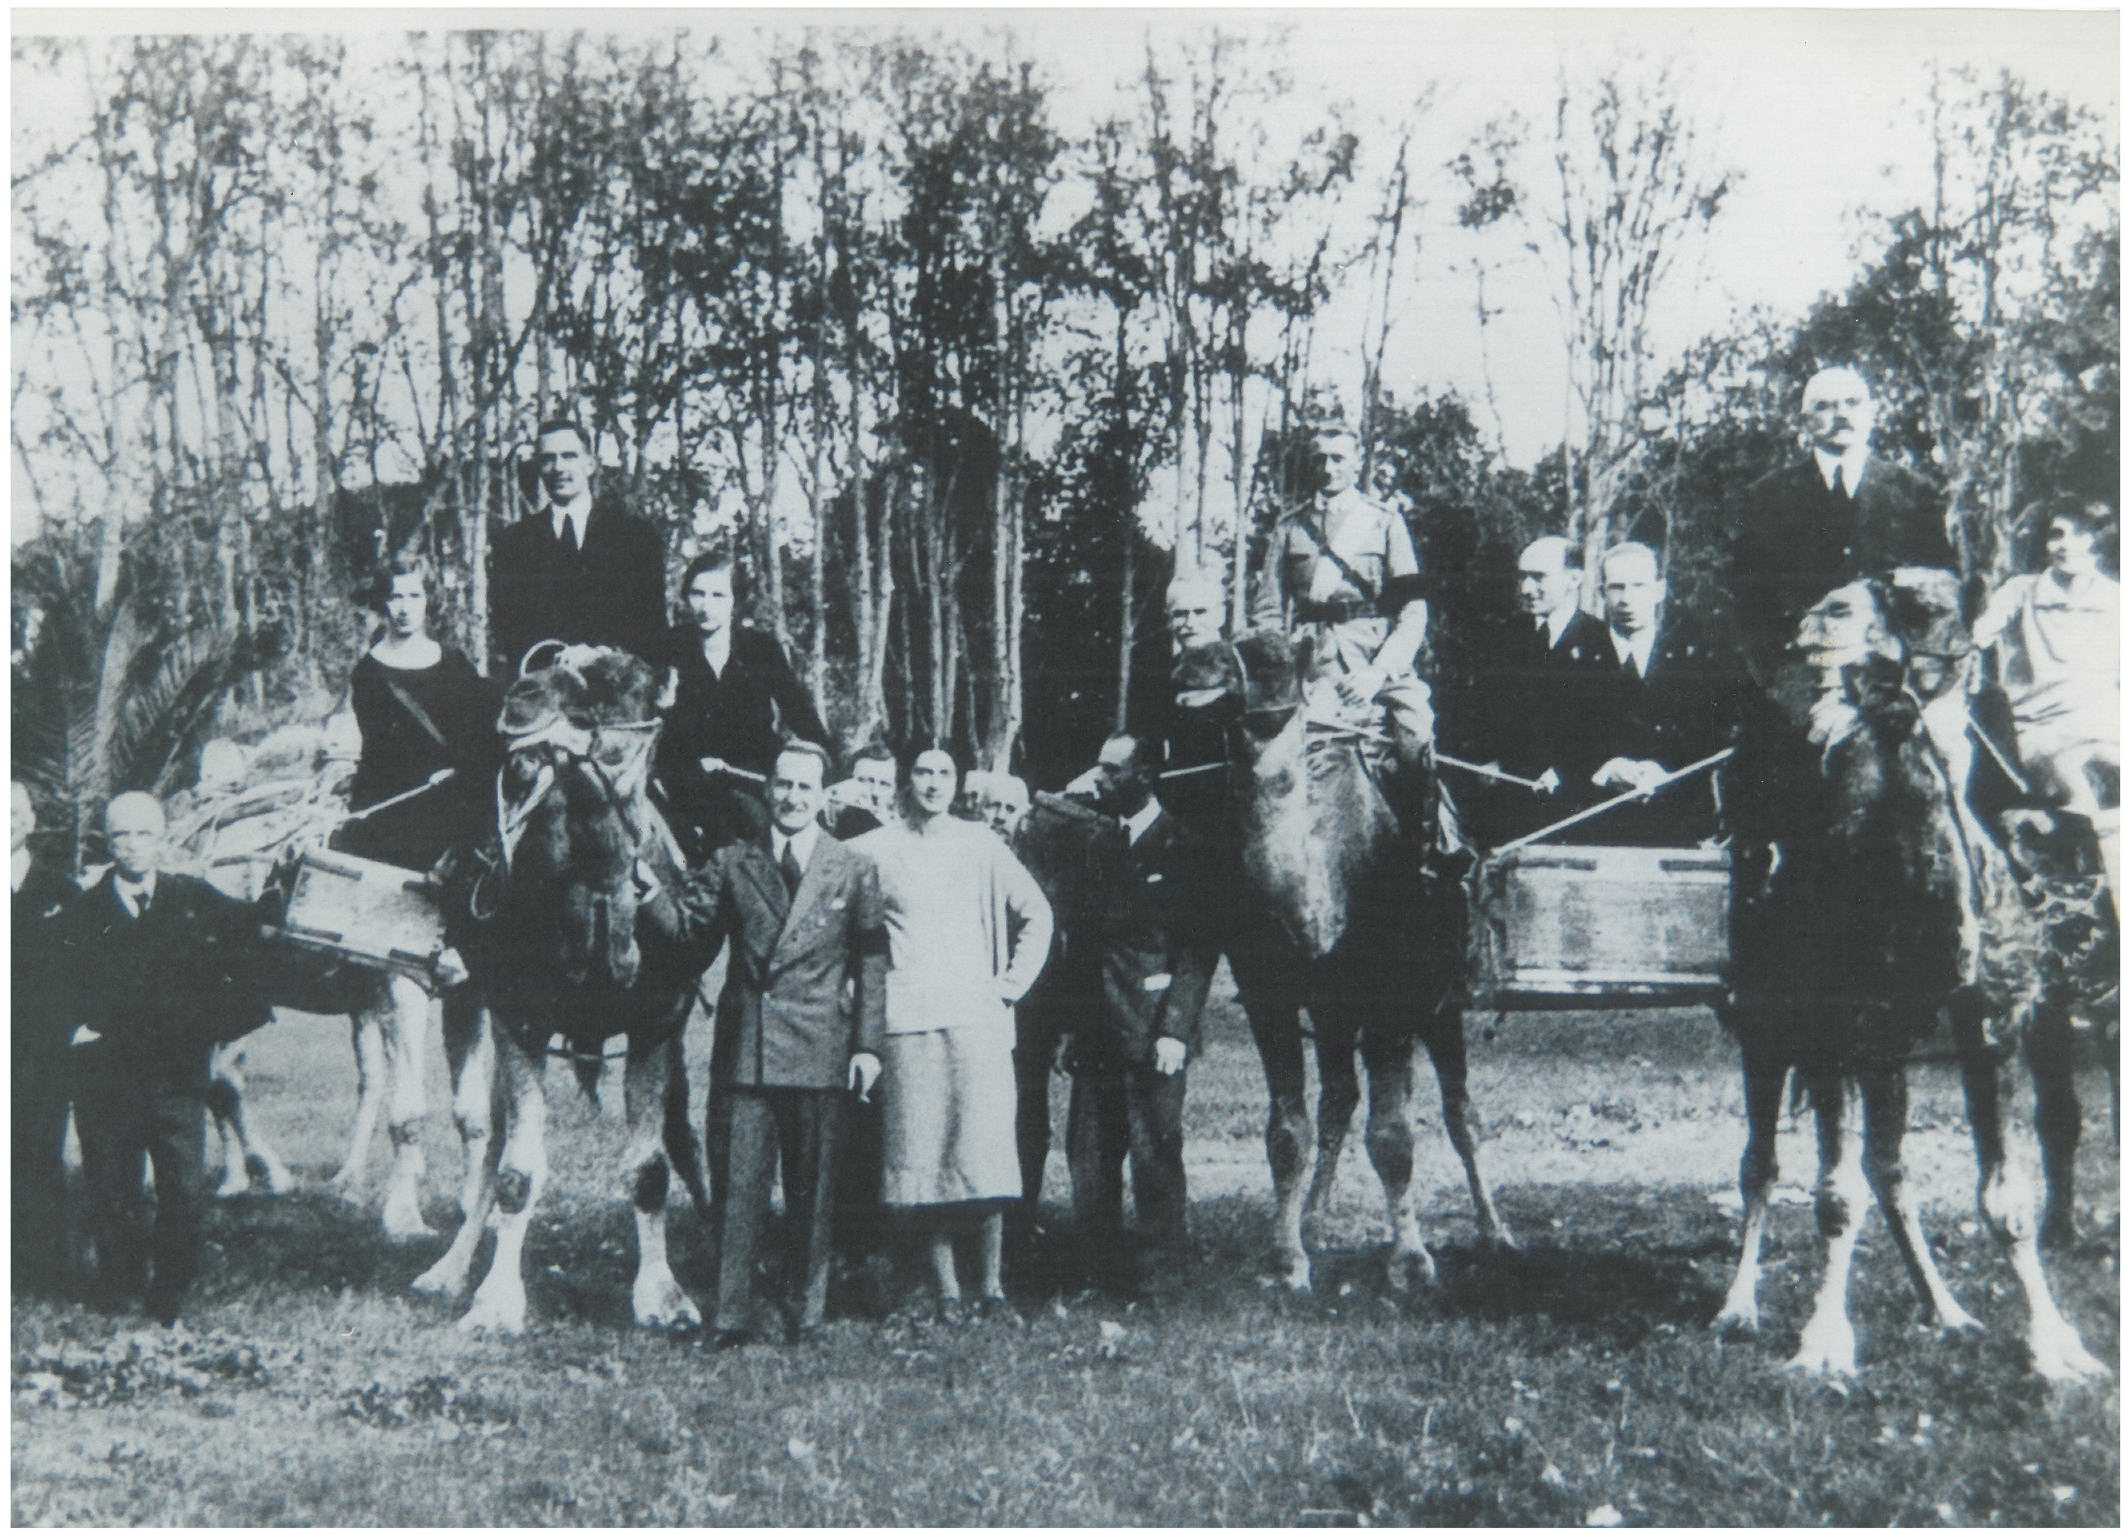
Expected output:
(967, 932)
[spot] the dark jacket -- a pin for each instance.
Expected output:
(40, 1016)
(1155, 949)
(1686, 707)
(742, 716)
(611, 592)
(1799, 540)
(162, 988)
(1538, 698)
(792, 961)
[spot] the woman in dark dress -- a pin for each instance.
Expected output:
(421, 709)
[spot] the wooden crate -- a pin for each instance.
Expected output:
(372, 915)
(1600, 926)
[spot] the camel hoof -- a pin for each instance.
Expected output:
(406, 1227)
(668, 1308)
(2059, 1234)
(501, 1317)
(1501, 1239)
(1827, 1351)
(442, 1278)
(344, 1184)
(233, 1185)
(1407, 1271)
(270, 1173)
(1294, 1275)
(1952, 1318)
(2062, 1359)
(1737, 1318)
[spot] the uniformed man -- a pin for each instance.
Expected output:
(1342, 572)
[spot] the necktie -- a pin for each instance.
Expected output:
(138, 900)
(568, 536)
(792, 871)
(1839, 485)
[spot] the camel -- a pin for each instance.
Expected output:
(1888, 903)
(1323, 921)
(573, 921)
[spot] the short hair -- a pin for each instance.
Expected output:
(556, 424)
(1328, 431)
(1829, 371)
(1147, 749)
(135, 800)
(1194, 577)
(1567, 548)
(2092, 515)
(1018, 792)
(1631, 549)
(871, 751)
(797, 746)
(406, 562)
(715, 558)
(922, 745)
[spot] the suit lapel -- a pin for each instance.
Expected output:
(757, 867)
(817, 874)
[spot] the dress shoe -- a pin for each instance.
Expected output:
(999, 1311)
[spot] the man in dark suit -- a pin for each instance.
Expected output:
(580, 570)
(41, 1091)
(1154, 954)
(158, 964)
(736, 702)
(1535, 717)
(1840, 514)
(806, 927)
(1670, 698)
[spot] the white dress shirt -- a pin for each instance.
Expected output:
(135, 895)
(802, 841)
(1138, 824)
(576, 512)
(19, 867)
(1554, 623)
(1635, 652)
(1854, 465)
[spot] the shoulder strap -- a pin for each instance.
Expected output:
(412, 707)
(1322, 546)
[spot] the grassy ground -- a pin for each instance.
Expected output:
(1574, 1382)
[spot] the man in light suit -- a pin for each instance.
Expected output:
(163, 967)
(1841, 513)
(582, 569)
(799, 1026)
(1154, 953)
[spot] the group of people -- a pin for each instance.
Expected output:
(910, 951)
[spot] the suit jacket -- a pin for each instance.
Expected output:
(40, 1017)
(742, 716)
(1799, 540)
(1155, 950)
(1540, 696)
(611, 592)
(1687, 706)
(791, 962)
(162, 987)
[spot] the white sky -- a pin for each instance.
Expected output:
(1818, 111)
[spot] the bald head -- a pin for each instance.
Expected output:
(1195, 609)
(1837, 412)
(1549, 576)
(133, 825)
(1009, 800)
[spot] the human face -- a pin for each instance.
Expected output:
(1007, 806)
(21, 818)
(1122, 785)
(1633, 592)
(876, 777)
(709, 601)
(564, 466)
(932, 782)
(134, 831)
(1194, 614)
(2069, 547)
(1546, 585)
(795, 790)
(1339, 464)
(406, 607)
(1837, 412)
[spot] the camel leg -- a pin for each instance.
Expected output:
(658, 1299)
(1336, 1055)
(498, 1305)
(406, 1027)
(681, 1144)
(371, 1066)
(247, 1158)
(468, 1049)
(1446, 1039)
(473, 1051)
(1275, 1024)
(1827, 1343)
(2058, 1120)
(2007, 1199)
(1763, 1084)
(1885, 1097)
(1391, 1141)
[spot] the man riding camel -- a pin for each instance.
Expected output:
(1341, 572)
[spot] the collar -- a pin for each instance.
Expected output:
(1853, 463)
(1554, 624)
(19, 866)
(716, 649)
(1639, 648)
(133, 892)
(2051, 592)
(802, 841)
(1136, 825)
(577, 512)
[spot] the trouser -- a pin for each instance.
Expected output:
(40, 1093)
(1043, 1024)
(1130, 1113)
(129, 1114)
(803, 1125)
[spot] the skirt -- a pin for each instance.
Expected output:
(951, 1108)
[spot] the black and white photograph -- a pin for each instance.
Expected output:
(1033, 767)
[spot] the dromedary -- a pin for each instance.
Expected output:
(1336, 914)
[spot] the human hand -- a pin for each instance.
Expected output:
(1549, 782)
(1628, 773)
(864, 1071)
(1360, 687)
(714, 765)
(1168, 1055)
(449, 969)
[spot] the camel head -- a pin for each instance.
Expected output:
(1874, 645)
(1254, 686)
(575, 821)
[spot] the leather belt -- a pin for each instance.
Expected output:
(1336, 610)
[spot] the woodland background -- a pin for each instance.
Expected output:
(961, 385)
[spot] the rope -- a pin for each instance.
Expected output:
(1607, 805)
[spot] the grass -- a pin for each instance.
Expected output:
(1575, 1380)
